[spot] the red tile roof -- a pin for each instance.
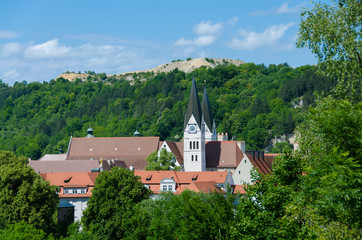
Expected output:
(71, 180)
(260, 161)
(196, 181)
(239, 189)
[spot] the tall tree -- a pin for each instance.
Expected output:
(333, 33)
(112, 203)
(25, 196)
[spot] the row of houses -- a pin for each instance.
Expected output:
(207, 164)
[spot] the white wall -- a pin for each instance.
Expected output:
(80, 204)
(242, 172)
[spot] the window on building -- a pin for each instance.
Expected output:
(197, 145)
(168, 184)
(66, 191)
(239, 172)
(74, 190)
(245, 161)
(190, 145)
(196, 158)
(193, 144)
(82, 191)
(192, 157)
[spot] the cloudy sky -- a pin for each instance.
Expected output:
(40, 39)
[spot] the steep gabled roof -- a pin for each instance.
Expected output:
(260, 162)
(176, 151)
(194, 107)
(206, 110)
(223, 154)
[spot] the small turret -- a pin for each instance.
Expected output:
(90, 132)
(136, 133)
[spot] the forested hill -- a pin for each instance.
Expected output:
(251, 102)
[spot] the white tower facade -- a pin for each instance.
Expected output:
(194, 146)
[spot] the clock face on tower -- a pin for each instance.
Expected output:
(192, 128)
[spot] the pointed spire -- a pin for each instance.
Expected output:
(206, 110)
(194, 107)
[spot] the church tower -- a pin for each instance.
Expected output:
(210, 127)
(194, 134)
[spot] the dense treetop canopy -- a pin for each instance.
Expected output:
(251, 102)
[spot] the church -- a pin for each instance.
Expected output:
(199, 151)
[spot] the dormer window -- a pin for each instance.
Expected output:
(168, 185)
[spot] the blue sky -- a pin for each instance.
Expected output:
(41, 39)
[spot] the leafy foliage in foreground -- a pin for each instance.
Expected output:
(111, 206)
(189, 215)
(251, 102)
(25, 197)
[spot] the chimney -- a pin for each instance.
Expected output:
(241, 145)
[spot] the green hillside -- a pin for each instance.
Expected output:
(250, 102)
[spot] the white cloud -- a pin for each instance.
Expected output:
(284, 8)
(207, 28)
(11, 73)
(47, 60)
(7, 34)
(253, 40)
(233, 21)
(49, 49)
(200, 41)
(207, 34)
(9, 49)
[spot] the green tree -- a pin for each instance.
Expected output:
(333, 33)
(112, 203)
(22, 231)
(25, 196)
(7, 157)
(330, 148)
(189, 215)
(164, 162)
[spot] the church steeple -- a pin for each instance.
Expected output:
(194, 134)
(194, 107)
(206, 110)
(210, 128)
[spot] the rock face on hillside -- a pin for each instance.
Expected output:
(190, 65)
(73, 76)
(185, 66)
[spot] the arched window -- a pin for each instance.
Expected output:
(196, 158)
(192, 157)
(190, 145)
(197, 145)
(193, 143)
